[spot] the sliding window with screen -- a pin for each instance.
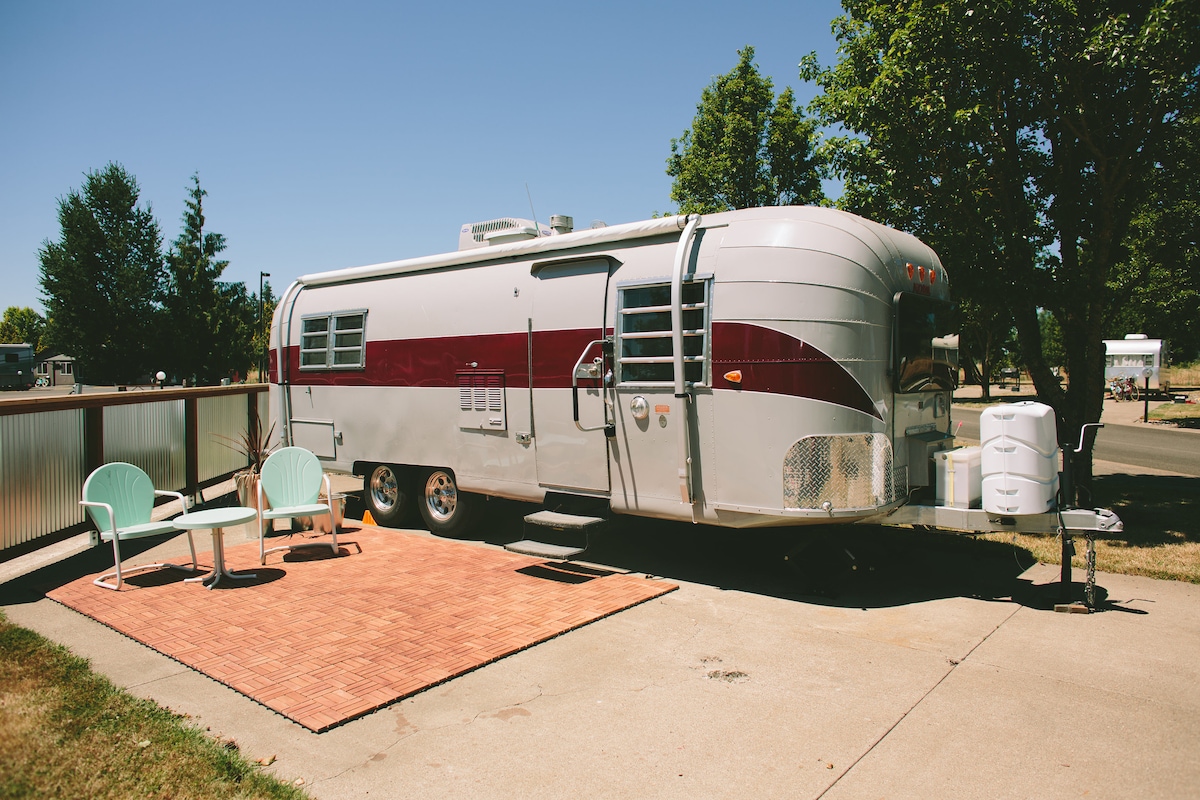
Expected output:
(333, 341)
(645, 353)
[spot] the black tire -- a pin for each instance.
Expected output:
(446, 511)
(389, 495)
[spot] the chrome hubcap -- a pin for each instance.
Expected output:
(383, 488)
(441, 495)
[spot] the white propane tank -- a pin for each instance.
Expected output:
(1020, 458)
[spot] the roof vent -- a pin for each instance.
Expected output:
(499, 231)
(561, 223)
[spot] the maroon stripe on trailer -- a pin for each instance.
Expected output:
(770, 362)
(775, 363)
(436, 361)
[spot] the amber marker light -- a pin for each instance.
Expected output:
(734, 376)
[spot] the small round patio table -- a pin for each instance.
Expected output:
(216, 520)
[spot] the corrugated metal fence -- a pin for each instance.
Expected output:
(49, 445)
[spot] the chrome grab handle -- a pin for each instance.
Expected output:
(593, 371)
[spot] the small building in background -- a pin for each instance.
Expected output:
(57, 369)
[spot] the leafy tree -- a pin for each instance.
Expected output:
(102, 282)
(234, 329)
(1052, 348)
(1157, 283)
(745, 147)
(262, 331)
(22, 325)
(986, 337)
(1011, 135)
(211, 322)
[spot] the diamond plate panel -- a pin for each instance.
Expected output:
(848, 471)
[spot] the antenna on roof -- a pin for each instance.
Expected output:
(536, 225)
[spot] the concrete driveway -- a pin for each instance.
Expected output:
(881, 666)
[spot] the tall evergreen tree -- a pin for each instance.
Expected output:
(102, 282)
(745, 148)
(210, 329)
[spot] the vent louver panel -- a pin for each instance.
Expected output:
(481, 399)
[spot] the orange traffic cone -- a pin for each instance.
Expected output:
(368, 519)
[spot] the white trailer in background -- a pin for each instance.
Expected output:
(761, 367)
(1132, 356)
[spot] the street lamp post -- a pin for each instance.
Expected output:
(262, 349)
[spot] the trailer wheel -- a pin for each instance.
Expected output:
(446, 511)
(389, 498)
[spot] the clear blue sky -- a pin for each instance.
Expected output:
(332, 135)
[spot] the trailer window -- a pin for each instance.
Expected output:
(645, 354)
(926, 344)
(1129, 360)
(333, 341)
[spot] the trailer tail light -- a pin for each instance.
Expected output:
(921, 274)
(932, 275)
(909, 267)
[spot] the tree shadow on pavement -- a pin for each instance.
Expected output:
(854, 566)
(1156, 509)
(862, 566)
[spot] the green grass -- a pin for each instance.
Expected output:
(1182, 414)
(1161, 515)
(67, 732)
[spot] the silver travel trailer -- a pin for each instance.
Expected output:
(762, 367)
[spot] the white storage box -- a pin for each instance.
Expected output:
(959, 481)
(1020, 458)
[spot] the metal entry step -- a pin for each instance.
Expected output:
(555, 522)
(553, 552)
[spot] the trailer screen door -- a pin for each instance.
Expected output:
(568, 314)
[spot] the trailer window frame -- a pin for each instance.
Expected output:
(335, 340)
(920, 364)
(644, 350)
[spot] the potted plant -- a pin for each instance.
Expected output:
(255, 445)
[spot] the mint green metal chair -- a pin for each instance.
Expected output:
(289, 485)
(119, 498)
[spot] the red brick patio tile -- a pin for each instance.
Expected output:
(322, 640)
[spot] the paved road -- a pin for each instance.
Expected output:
(1169, 449)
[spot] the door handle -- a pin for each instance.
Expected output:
(590, 371)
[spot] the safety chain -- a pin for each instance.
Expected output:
(1089, 589)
